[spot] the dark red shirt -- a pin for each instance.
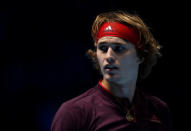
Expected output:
(98, 110)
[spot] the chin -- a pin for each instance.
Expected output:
(112, 78)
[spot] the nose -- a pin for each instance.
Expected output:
(110, 58)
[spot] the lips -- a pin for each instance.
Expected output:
(109, 68)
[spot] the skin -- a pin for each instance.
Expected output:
(118, 53)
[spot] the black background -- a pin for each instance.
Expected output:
(43, 62)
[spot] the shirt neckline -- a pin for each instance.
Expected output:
(115, 99)
(122, 103)
(140, 101)
(110, 94)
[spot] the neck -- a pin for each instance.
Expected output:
(124, 90)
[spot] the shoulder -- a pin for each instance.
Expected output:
(78, 103)
(83, 99)
(155, 101)
(75, 112)
(158, 104)
(160, 108)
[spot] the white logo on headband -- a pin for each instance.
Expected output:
(108, 28)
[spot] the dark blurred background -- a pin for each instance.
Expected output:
(43, 61)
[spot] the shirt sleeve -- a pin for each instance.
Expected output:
(69, 117)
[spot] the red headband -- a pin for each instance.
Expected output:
(119, 30)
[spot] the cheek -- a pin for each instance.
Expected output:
(129, 63)
(99, 58)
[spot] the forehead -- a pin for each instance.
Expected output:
(112, 39)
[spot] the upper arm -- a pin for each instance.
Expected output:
(67, 118)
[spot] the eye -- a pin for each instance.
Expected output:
(103, 48)
(119, 49)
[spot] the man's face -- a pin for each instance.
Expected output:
(117, 59)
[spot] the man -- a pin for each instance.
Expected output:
(125, 53)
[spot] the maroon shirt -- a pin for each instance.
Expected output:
(98, 110)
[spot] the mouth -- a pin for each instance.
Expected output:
(110, 68)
